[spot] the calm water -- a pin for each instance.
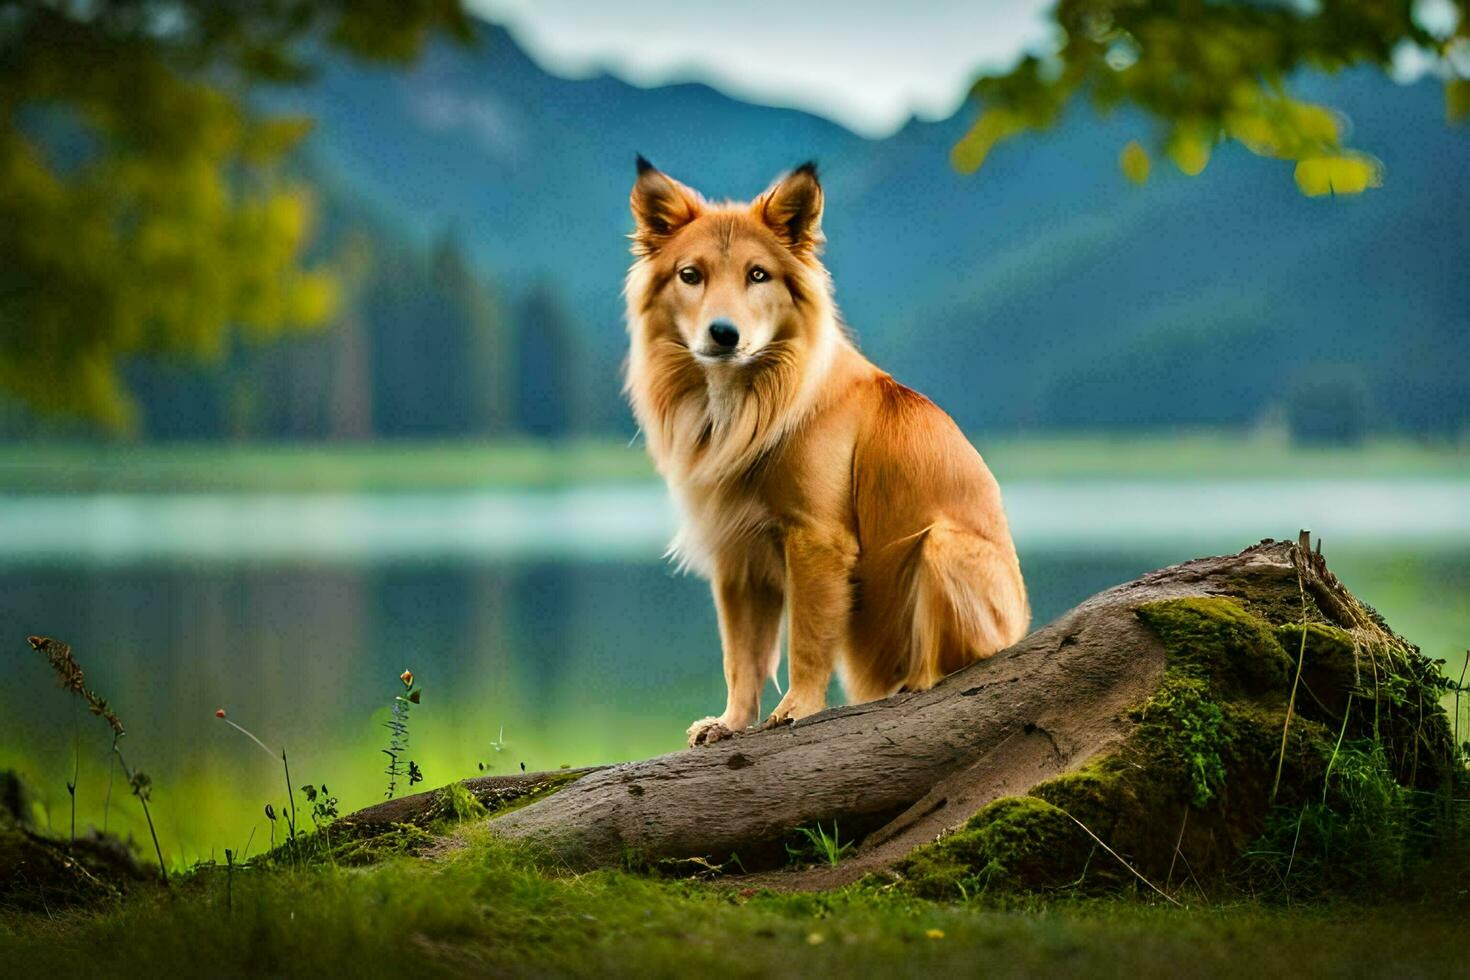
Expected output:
(548, 617)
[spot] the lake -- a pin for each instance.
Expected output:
(543, 627)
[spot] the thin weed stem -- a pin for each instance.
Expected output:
(1458, 750)
(1169, 880)
(107, 800)
(291, 795)
(248, 734)
(1291, 701)
(141, 794)
(1296, 838)
(1346, 713)
(1116, 856)
(76, 766)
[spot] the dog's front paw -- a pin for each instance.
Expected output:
(791, 709)
(708, 731)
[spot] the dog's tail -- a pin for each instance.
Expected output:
(961, 598)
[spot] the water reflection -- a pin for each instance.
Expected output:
(590, 651)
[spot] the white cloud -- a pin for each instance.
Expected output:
(866, 64)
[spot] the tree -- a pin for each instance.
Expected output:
(1329, 407)
(143, 210)
(484, 408)
(1216, 70)
(548, 397)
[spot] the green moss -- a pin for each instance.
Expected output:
(1091, 794)
(1274, 596)
(481, 910)
(1195, 785)
(397, 840)
(458, 804)
(42, 873)
(1014, 843)
(1186, 728)
(497, 800)
(1330, 670)
(1323, 642)
(1216, 639)
(353, 841)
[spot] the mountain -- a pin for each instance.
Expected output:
(1044, 291)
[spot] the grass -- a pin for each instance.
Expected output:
(817, 844)
(484, 909)
(69, 467)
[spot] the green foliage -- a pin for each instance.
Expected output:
(461, 804)
(1019, 842)
(487, 909)
(144, 211)
(1210, 72)
(399, 766)
(1184, 720)
(816, 844)
(1216, 639)
(1330, 407)
(398, 840)
(1364, 763)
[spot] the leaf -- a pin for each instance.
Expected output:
(1457, 99)
(1189, 148)
(272, 138)
(1134, 162)
(1347, 173)
(993, 126)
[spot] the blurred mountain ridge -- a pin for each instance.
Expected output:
(1044, 292)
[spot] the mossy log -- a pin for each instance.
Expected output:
(1152, 720)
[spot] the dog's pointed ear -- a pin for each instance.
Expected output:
(661, 206)
(792, 208)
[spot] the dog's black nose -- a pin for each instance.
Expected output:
(723, 333)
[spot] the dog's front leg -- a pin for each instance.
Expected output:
(750, 631)
(818, 586)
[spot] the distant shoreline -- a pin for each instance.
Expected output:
(411, 466)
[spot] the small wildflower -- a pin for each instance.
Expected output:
(397, 725)
(934, 933)
(815, 939)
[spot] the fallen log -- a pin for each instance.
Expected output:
(1096, 717)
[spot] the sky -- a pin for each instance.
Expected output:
(867, 64)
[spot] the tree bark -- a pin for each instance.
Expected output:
(898, 773)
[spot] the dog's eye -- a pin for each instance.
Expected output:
(690, 276)
(757, 274)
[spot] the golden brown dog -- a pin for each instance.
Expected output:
(810, 482)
